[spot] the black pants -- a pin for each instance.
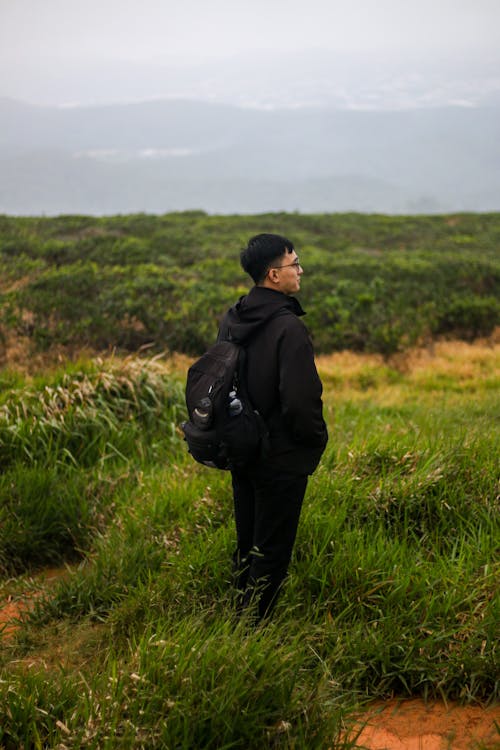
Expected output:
(267, 512)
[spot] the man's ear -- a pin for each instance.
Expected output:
(273, 275)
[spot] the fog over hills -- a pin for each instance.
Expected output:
(237, 107)
(174, 154)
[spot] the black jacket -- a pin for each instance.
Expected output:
(282, 379)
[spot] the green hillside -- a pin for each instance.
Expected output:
(393, 587)
(371, 282)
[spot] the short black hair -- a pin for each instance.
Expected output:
(261, 251)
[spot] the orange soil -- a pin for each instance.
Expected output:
(415, 725)
(12, 609)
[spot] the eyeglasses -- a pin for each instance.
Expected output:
(295, 264)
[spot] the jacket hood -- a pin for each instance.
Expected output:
(253, 310)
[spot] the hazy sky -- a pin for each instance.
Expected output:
(38, 34)
(199, 29)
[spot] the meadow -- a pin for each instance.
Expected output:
(393, 590)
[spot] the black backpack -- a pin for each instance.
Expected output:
(223, 431)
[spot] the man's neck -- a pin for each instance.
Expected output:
(269, 285)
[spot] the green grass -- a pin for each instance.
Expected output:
(69, 442)
(393, 589)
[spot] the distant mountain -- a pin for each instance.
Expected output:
(172, 155)
(265, 79)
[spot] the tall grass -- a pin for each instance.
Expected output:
(68, 442)
(393, 589)
(92, 416)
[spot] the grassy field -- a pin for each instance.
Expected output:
(393, 589)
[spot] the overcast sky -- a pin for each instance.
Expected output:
(38, 34)
(199, 29)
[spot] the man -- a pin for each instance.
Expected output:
(285, 388)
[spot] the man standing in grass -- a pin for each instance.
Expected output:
(285, 388)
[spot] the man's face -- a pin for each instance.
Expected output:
(286, 273)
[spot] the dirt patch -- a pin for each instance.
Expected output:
(416, 725)
(14, 605)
